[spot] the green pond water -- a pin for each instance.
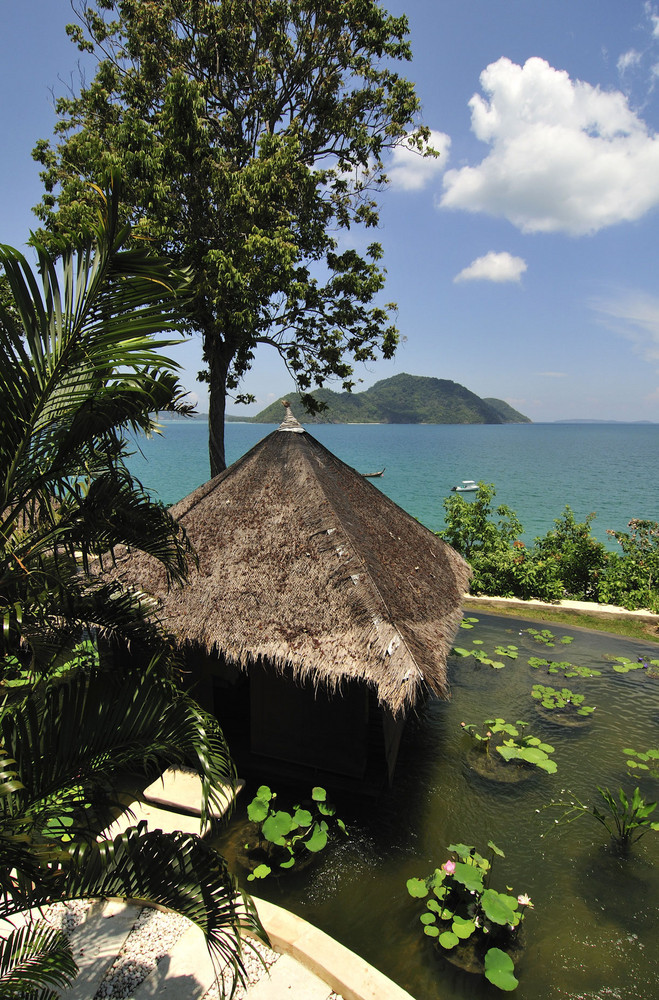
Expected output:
(593, 931)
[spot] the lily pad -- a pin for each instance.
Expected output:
(448, 940)
(417, 888)
(463, 928)
(469, 876)
(499, 969)
(318, 839)
(277, 826)
(499, 908)
(261, 871)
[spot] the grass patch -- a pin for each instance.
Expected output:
(645, 630)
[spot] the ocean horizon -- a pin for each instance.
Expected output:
(610, 469)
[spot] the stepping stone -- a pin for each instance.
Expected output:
(180, 788)
(157, 819)
(289, 980)
(185, 973)
(95, 944)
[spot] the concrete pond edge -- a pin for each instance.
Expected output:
(343, 971)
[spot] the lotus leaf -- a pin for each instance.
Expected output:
(462, 850)
(532, 755)
(468, 622)
(257, 810)
(261, 871)
(469, 876)
(533, 741)
(431, 930)
(448, 939)
(499, 969)
(498, 907)
(463, 928)
(622, 664)
(318, 839)
(318, 794)
(510, 651)
(427, 918)
(417, 888)
(277, 826)
(302, 817)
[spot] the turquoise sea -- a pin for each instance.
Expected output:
(611, 469)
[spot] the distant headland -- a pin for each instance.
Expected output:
(401, 399)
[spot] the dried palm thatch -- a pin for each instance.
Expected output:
(302, 562)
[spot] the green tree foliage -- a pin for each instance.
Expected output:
(581, 557)
(78, 369)
(251, 134)
(475, 528)
(632, 578)
(565, 563)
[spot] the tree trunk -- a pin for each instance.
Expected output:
(219, 359)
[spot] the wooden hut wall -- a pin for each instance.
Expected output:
(392, 726)
(301, 724)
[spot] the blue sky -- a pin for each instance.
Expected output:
(523, 260)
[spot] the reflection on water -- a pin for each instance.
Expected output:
(593, 931)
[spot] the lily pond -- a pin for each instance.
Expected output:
(592, 929)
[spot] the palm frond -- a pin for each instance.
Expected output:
(80, 733)
(31, 956)
(177, 871)
(80, 366)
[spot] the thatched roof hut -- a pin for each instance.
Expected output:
(308, 567)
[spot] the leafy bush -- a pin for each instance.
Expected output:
(580, 559)
(568, 562)
(631, 579)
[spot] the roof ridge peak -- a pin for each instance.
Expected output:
(290, 423)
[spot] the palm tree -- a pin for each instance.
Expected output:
(79, 369)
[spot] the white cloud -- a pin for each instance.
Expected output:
(654, 19)
(493, 267)
(635, 316)
(411, 171)
(565, 156)
(627, 60)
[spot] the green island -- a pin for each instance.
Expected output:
(401, 399)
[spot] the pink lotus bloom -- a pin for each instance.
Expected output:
(525, 900)
(448, 867)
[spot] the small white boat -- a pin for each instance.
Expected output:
(468, 486)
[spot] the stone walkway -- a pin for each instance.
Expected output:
(126, 951)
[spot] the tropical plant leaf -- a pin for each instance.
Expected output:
(34, 956)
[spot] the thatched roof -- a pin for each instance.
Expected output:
(305, 563)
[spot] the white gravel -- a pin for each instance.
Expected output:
(154, 933)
